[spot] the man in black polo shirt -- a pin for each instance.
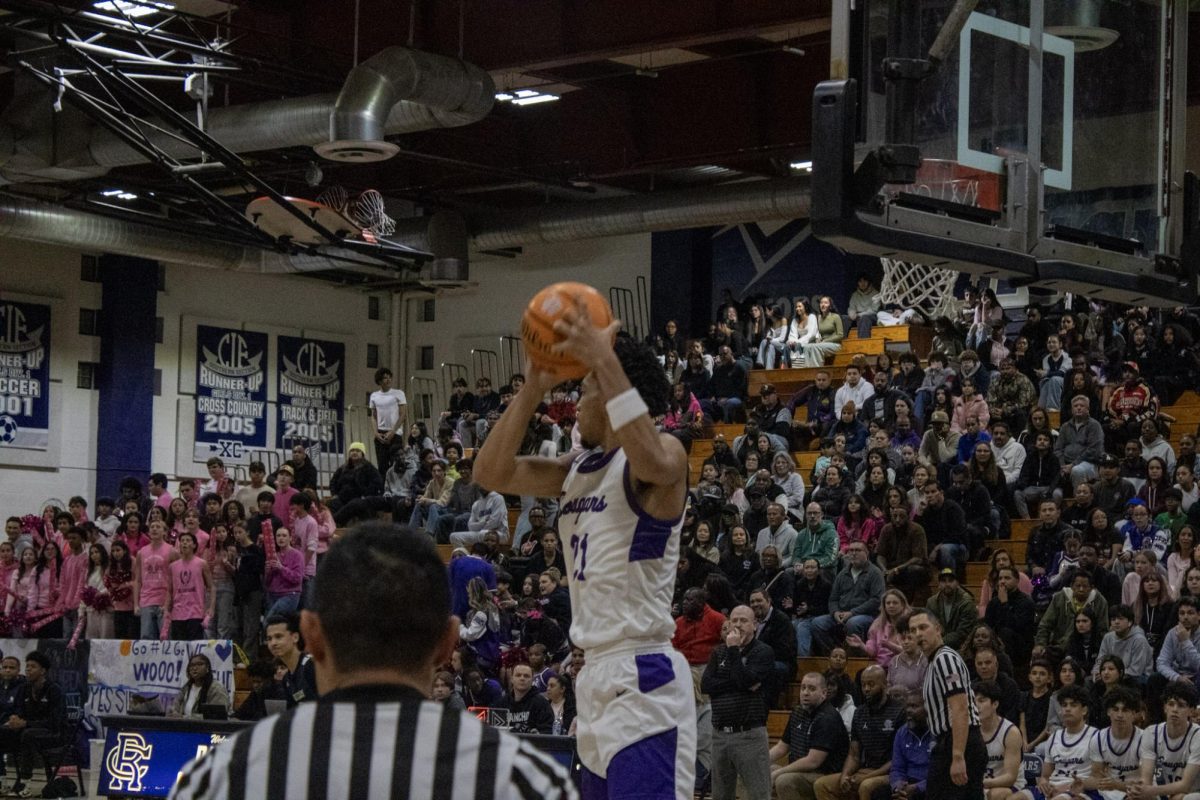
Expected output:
(815, 743)
(734, 679)
(283, 640)
(872, 734)
(40, 723)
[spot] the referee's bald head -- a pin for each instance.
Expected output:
(381, 600)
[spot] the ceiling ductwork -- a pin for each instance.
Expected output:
(658, 211)
(397, 91)
(444, 234)
(449, 89)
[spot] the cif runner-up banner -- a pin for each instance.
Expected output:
(312, 391)
(231, 393)
(24, 375)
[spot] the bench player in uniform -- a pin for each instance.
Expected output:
(1003, 741)
(619, 520)
(1171, 750)
(1067, 760)
(1115, 750)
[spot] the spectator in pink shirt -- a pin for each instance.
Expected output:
(72, 579)
(284, 576)
(281, 505)
(190, 595)
(158, 490)
(325, 524)
(883, 640)
(305, 535)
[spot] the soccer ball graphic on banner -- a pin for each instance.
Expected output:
(8, 430)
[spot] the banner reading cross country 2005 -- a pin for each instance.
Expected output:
(24, 375)
(231, 393)
(312, 390)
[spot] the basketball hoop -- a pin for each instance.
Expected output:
(931, 289)
(943, 179)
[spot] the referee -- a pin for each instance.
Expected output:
(379, 625)
(959, 758)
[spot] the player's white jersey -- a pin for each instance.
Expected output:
(995, 754)
(1171, 756)
(1123, 757)
(621, 562)
(1068, 752)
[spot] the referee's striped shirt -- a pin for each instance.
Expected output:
(947, 676)
(374, 743)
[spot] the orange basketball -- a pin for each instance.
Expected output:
(546, 308)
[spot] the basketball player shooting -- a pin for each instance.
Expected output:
(620, 517)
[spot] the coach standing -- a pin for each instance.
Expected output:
(734, 678)
(959, 758)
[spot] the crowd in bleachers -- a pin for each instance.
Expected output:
(1023, 473)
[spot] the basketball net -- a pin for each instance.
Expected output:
(931, 289)
(368, 211)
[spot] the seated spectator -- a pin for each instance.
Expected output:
(488, 513)
(1058, 622)
(955, 608)
(1050, 377)
(1130, 403)
(938, 375)
(1011, 614)
(902, 554)
(854, 390)
(739, 561)
(864, 307)
(1103, 579)
(810, 600)
(726, 388)
(481, 629)
(1140, 533)
(436, 494)
(357, 479)
(872, 732)
(818, 401)
(853, 602)
(773, 350)
(881, 405)
(1126, 641)
(1010, 395)
(831, 494)
(1009, 455)
(528, 711)
(945, 528)
(1035, 704)
(817, 539)
(199, 690)
(1179, 659)
(987, 667)
(771, 574)
(1080, 443)
(1039, 474)
(939, 445)
(1158, 483)
(1133, 466)
(883, 637)
(858, 522)
(40, 723)
(910, 752)
(773, 418)
(972, 435)
(783, 473)
(1112, 492)
(254, 707)
(829, 334)
(814, 743)
(778, 534)
(1084, 644)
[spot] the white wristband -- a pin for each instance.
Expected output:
(625, 408)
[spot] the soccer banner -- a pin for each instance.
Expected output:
(231, 393)
(312, 391)
(24, 375)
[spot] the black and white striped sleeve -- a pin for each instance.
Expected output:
(535, 775)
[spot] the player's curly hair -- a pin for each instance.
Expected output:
(644, 372)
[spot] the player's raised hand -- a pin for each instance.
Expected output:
(582, 339)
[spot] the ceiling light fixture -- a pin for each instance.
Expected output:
(120, 194)
(525, 97)
(796, 51)
(133, 8)
(802, 166)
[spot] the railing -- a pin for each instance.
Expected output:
(633, 310)
(426, 401)
(512, 354)
(486, 364)
(451, 371)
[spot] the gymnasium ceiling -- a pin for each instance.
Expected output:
(655, 94)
